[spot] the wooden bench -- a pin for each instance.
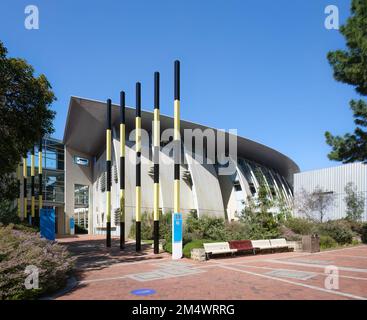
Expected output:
(243, 246)
(280, 244)
(217, 248)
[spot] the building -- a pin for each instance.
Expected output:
(333, 180)
(53, 179)
(203, 189)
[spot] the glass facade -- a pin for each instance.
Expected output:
(53, 176)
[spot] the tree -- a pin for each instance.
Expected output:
(314, 205)
(257, 215)
(354, 202)
(25, 115)
(350, 66)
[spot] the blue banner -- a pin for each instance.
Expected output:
(47, 224)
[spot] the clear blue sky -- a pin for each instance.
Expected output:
(257, 66)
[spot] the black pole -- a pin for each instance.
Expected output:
(156, 149)
(138, 168)
(108, 169)
(40, 195)
(122, 170)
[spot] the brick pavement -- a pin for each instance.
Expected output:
(111, 274)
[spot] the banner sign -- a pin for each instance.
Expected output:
(47, 224)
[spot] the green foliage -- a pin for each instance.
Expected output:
(204, 228)
(147, 225)
(339, 230)
(261, 224)
(354, 202)
(236, 230)
(300, 225)
(193, 245)
(327, 242)
(25, 102)
(19, 249)
(168, 246)
(8, 214)
(350, 66)
(364, 233)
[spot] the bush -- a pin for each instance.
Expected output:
(300, 225)
(205, 227)
(327, 242)
(8, 214)
(364, 233)
(19, 249)
(192, 245)
(339, 230)
(236, 230)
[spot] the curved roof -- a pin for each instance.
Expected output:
(85, 132)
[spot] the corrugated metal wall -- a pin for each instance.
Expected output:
(334, 179)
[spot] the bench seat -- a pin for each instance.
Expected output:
(218, 248)
(242, 246)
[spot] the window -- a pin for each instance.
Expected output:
(81, 195)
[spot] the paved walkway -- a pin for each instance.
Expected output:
(110, 274)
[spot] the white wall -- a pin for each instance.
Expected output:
(334, 179)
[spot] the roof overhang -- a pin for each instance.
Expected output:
(86, 124)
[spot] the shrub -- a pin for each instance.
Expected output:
(300, 225)
(8, 214)
(205, 227)
(364, 233)
(168, 246)
(327, 242)
(19, 249)
(236, 230)
(192, 245)
(339, 230)
(146, 227)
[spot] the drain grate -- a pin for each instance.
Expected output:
(166, 270)
(300, 275)
(147, 276)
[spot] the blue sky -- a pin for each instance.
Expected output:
(257, 66)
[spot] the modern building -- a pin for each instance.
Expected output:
(203, 189)
(333, 181)
(53, 179)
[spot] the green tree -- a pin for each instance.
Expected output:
(25, 115)
(261, 222)
(350, 66)
(354, 202)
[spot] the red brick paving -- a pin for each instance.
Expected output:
(102, 274)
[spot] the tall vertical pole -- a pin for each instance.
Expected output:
(108, 171)
(25, 203)
(18, 191)
(32, 187)
(122, 170)
(156, 149)
(176, 215)
(40, 186)
(138, 167)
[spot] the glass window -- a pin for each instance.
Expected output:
(81, 195)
